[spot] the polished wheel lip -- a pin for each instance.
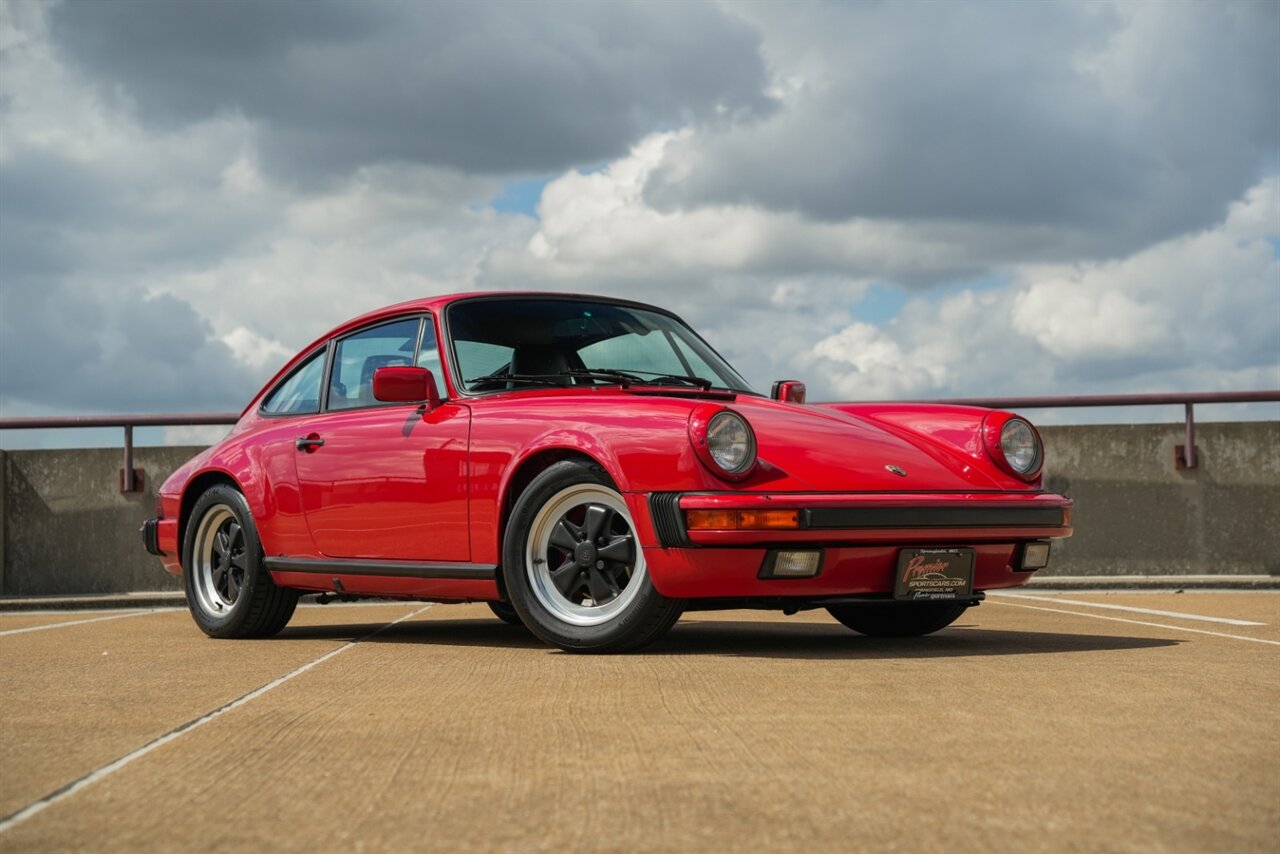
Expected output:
(218, 554)
(538, 568)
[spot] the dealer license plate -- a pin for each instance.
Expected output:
(934, 574)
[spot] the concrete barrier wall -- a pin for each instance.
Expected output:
(1136, 514)
(66, 529)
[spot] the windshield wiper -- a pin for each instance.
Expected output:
(606, 374)
(614, 376)
(652, 378)
(515, 378)
(655, 378)
(624, 378)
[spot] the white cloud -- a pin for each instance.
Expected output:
(1072, 322)
(1200, 312)
(600, 226)
(179, 264)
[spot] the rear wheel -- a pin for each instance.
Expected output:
(898, 619)
(573, 568)
(229, 592)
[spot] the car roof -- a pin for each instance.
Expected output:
(436, 304)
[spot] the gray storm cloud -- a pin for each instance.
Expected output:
(1106, 126)
(486, 87)
(884, 199)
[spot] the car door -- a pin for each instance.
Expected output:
(385, 481)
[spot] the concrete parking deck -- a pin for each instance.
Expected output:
(1050, 722)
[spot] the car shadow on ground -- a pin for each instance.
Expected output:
(807, 640)
(772, 639)
(443, 632)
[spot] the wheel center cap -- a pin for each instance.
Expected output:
(584, 554)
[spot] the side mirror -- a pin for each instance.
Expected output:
(399, 384)
(788, 391)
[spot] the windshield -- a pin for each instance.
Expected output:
(509, 343)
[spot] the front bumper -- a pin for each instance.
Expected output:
(860, 535)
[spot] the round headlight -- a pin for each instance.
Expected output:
(1020, 446)
(730, 443)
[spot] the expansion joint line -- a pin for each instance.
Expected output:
(32, 809)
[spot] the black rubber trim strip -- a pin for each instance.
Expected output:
(150, 533)
(834, 518)
(391, 568)
(668, 521)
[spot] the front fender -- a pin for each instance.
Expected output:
(948, 429)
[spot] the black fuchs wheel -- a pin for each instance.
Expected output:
(503, 611)
(898, 619)
(573, 568)
(229, 591)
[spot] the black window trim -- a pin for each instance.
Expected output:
(302, 363)
(423, 318)
(329, 348)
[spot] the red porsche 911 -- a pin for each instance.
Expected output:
(591, 468)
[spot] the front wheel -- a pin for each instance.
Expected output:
(503, 611)
(573, 568)
(898, 619)
(229, 591)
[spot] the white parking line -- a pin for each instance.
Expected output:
(110, 768)
(1002, 601)
(1151, 611)
(80, 622)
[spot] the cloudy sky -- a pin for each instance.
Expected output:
(887, 200)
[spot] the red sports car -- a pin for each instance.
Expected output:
(591, 468)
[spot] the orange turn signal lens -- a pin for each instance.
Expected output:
(751, 520)
(768, 519)
(711, 520)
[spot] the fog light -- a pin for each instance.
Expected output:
(791, 564)
(1034, 556)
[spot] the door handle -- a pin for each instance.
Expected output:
(309, 443)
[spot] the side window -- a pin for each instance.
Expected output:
(429, 355)
(299, 394)
(358, 356)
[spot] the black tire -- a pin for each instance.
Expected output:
(560, 606)
(503, 611)
(898, 619)
(229, 591)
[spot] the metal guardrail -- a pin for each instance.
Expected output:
(1184, 455)
(130, 478)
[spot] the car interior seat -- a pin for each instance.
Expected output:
(540, 360)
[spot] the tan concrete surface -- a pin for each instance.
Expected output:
(75, 698)
(1258, 607)
(1016, 730)
(27, 620)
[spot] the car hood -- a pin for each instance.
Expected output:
(826, 450)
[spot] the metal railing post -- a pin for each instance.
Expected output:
(127, 481)
(1186, 458)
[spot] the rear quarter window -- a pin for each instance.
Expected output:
(298, 393)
